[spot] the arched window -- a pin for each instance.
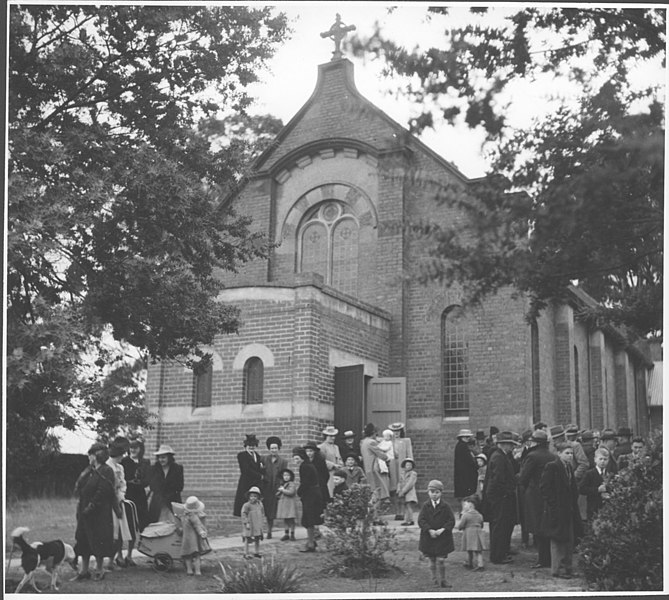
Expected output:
(202, 385)
(328, 245)
(253, 381)
(454, 362)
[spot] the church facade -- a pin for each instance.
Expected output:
(334, 332)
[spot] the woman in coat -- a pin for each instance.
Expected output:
(371, 454)
(95, 529)
(561, 520)
(166, 482)
(309, 492)
(251, 472)
(273, 465)
(537, 457)
(465, 471)
(315, 457)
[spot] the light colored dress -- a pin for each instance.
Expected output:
(253, 517)
(287, 505)
(387, 447)
(121, 528)
(193, 524)
(472, 524)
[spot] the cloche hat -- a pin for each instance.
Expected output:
(164, 449)
(194, 503)
(464, 433)
(273, 439)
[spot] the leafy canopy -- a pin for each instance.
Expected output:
(116, 218)
(577, 196)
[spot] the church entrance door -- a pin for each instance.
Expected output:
(349, 398)
(386, 401)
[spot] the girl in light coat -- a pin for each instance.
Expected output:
(194, 542)
(406, 489)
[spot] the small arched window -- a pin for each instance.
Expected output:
(202, 384)
(454, 362)
(253, 380)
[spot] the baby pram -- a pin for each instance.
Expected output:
(162, 541)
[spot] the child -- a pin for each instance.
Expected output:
(436, 522)
(253, 516)
(473, 541)
(406, 489)
(482, 462)
(386, 444)
(339, 480)
(194, 542)
(354, 473)
(286, 508)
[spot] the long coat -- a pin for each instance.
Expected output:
(499, 484)
(251, 471)
(589, 487)
(436, 518)
(402, 449)
(530, 479)
(165, 489)
(406, 487)
(271, 483)
(371, 454)
(560, 496)
(137, 479)
(323, 476)
(309, 492)
(465, 472)
(95, 529)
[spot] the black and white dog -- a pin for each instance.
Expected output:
(50, 555)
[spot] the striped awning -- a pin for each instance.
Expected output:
(655, 385)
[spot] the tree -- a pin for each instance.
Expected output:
(117, 220)
(578, 196)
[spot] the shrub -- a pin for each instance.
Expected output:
(623, 549)
(358, 540)
(266, 577)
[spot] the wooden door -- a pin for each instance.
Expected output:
(386, 401)
(349, 398)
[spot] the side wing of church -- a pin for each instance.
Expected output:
(334, 333)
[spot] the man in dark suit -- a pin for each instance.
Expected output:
(538, 456)
(561, 520)
(593, 486)
(624, 442)
(609, 441)
(499, 498)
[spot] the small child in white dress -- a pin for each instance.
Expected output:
(386, 444)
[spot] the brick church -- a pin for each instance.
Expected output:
(333, 333)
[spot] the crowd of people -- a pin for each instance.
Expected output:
(551, 481)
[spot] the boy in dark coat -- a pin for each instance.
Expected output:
(561, 520)
(594, 484)
(436, 521)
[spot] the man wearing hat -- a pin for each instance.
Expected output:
(330, 453)
(349, 445)
(499, 498)
(624, 442)
(581, 463)
(538, 456)
(401, 450)
(465, 469)
(609, 440)
(489, 445)
(588, 445)
(273, 464)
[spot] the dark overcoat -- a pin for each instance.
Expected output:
(137, 478)
(251, 472)
(530, 479)
(465, 472)
(499, 484)
(309, 492)
(436, 518)
(95, 530)
(560, 503)
(165, 489)
(323, 476)
(589, 487)
(271, 482)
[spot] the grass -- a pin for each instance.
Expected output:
(47, 519)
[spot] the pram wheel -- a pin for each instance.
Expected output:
(162, 562)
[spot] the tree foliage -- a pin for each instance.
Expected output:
(117, 220)
(577, 196)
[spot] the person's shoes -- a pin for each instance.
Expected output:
(399, 517)
(405, 524)
(189, 572)
(292, 537)
(130, 563)
(248, 556)
(81, 576)
(479, 568)
(269, 535)
(309, 549)
(121, 563)
(257, 555)
(198, 573)
(99, 576)
(285, 538)
(445, 584)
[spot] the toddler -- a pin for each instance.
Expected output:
(194, 541)
(436, 521)
(481, 461)
(339, 480)
(253, 517)
(354, 473)
(473, 541)
(286, 507)
(386, 444)
(406, 489)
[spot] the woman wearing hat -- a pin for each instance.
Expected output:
(121, 527)
(95, 530)
(314, 457)
(137, 470)
(465, 469)
(371, 455)
(538, 456)
(166, 482)
(309, 492)
(273, 464)
(251, 472)
(330, 452)
(401, 451)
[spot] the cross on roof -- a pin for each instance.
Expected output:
(337, 33)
